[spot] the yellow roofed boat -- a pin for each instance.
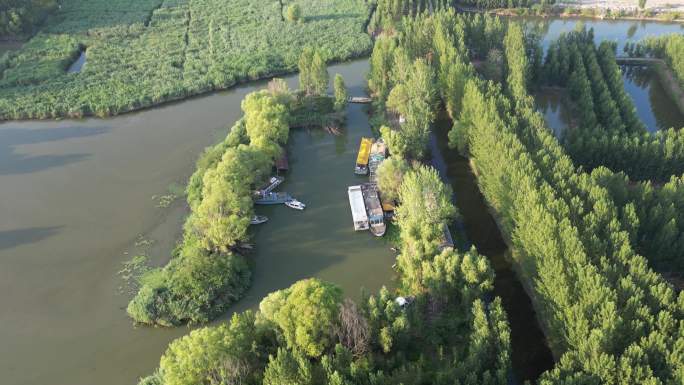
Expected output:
(362, 158)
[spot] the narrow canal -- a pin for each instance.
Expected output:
(530, 353)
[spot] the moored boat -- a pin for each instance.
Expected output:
(258, 219)
(377, 155)
(358, 208)
(295, 204)
(273, 198)
(362, 158)
(376, 217)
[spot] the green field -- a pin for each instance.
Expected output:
(145, 52)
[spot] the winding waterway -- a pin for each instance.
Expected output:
(76, 199)
(77, 196)
(653, 105)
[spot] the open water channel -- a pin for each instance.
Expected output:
(77, 200)
(80, 197)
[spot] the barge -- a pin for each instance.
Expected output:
(376, 217)
(358, 208)
(377, 155)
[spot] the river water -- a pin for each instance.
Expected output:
(76, 199)
(77, 196)
(654, 107)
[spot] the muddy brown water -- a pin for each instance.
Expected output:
(76, 197)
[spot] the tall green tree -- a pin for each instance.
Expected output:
(425, 208)
(340, 92)
(213, 355)
(413, 100)
(390, 177)
(306, 315)
(288, 368)
(319, 74)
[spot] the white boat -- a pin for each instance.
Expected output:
(258, 219)
(295, 204)
(358, 208)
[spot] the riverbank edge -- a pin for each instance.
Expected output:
(561, 13)
(509, 255)
(190, 96)
(358, 55)
(670, 83)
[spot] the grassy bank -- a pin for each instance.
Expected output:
(669, 82)
(146, 52)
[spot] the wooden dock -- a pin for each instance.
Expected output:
(282, 164)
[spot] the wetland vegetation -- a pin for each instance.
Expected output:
(145, 52)
(21, 17)
(586, 225)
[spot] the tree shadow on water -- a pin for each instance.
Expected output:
(12, 163)
(12, 238)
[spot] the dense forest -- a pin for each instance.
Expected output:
(609, 134)
(668, 47)
(444, 328)
(576, 237)
(608, 316)
(179, 48)
(608, 131)
(20, 17)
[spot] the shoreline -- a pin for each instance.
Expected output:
(508, 12)
(170, 101)
(561, 13)
(509, 255)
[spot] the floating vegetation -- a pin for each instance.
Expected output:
(132, 272)
(164, 201)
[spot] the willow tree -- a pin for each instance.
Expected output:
(390, 176)
(266, 122)
(222, 217)
(306, 313)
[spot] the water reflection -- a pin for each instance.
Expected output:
(552, 104)
(654, 106)
(14, 238)
(14, 162)
(620, 31)
(77, 66)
